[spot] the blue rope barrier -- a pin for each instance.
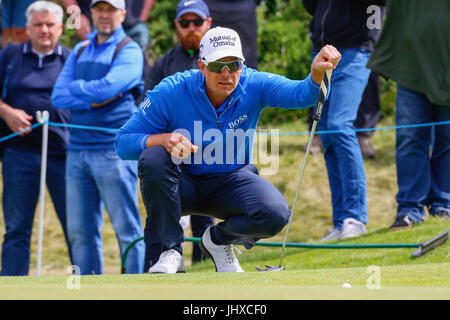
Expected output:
(281, 133)
(113, 130)
(360, 130)
(12, 135)
(77, 126)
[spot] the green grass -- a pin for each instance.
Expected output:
(312, 216)
(426, 281)
(310, 274)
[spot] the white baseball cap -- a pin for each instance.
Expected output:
(219, 43)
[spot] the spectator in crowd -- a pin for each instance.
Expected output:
(135, 23)
(413, 51)
(191, 23)
(239, 15)
(369, 112)
(13, 21)
(96, 85)
(184, 170)
(343, 24)
(28, 72)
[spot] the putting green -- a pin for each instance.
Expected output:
(431, 281)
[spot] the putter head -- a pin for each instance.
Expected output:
(270, 268)
(431, 244)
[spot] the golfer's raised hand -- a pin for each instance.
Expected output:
(179, 146)
(327, 58)
(17, 119)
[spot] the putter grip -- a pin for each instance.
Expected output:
(322, 95)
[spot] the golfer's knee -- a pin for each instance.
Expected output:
(276, 216)
(153, 162)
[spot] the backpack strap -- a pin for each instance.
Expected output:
(134, 91)
(119, 47)
(83, 46)
(121, 44)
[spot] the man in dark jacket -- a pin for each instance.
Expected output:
(344, 24)
(369, 110)
(28, 72)
(239, 15)
(192, 21)
(413, 51)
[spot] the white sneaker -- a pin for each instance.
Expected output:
(170, 261)
(222, 255)
(352, 228)
(332, 234)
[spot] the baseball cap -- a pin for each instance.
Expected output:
(192, 6)
(118, 4)
(219, 43)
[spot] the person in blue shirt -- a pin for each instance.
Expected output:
(193, 136)
(96, 86)
(28, 73)
(135, 24)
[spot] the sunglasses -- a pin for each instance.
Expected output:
(218, 66)
(184, 23)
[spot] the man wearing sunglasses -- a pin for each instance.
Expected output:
(192, 113)
(191, 23)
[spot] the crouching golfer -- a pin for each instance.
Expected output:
(193, 136)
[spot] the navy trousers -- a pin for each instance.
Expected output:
(21, 181)
(251, 207)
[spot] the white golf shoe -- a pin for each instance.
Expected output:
(332, 234)
(352, 228)
(170, 261)
(222, 255)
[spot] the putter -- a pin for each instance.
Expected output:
(431, 244)
(316, 117)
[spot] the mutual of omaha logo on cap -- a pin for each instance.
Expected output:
(219, 43)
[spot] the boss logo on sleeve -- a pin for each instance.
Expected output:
(144, 105)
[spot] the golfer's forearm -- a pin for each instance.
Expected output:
(317, 76)
(157, 140)
(130, 145)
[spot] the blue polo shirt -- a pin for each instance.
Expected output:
(224, 135)
(26, 82)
